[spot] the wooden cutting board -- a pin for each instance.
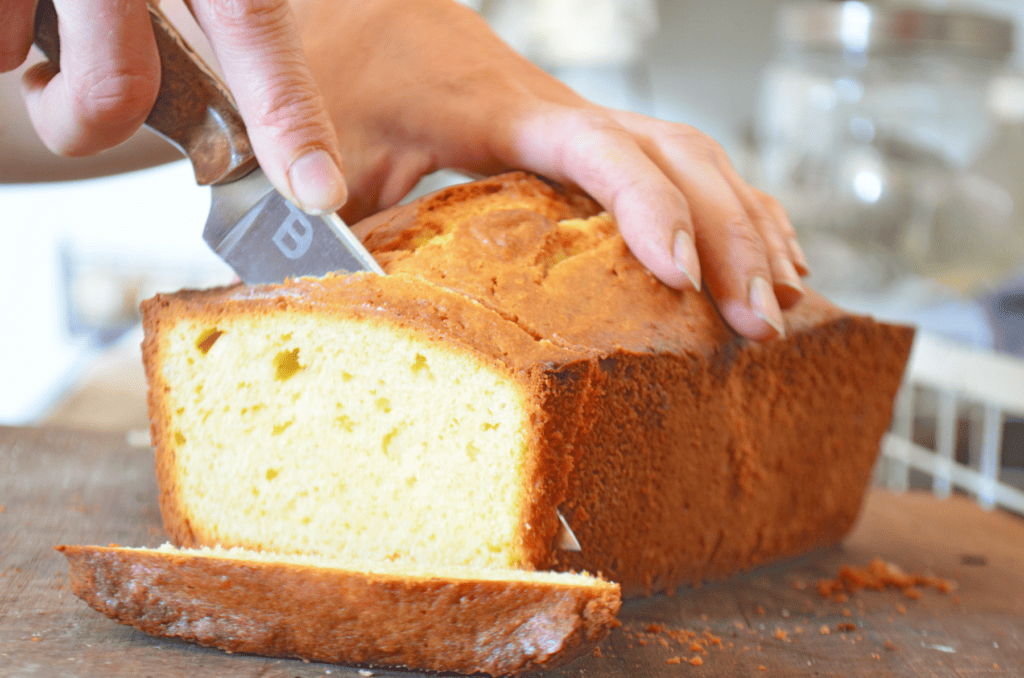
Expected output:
(72, 487)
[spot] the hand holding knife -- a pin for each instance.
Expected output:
(261, 235)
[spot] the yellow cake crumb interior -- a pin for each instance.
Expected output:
(397, 567)
(305, 436)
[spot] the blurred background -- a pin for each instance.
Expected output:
(893, 133)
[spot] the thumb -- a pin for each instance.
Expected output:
(257, 44)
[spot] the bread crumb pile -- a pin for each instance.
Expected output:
(878, 575)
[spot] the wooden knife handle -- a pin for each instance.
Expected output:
(193, 108)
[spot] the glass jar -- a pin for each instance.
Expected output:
(870, 121)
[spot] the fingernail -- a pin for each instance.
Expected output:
(765, 306)
(798, 256)
(788, 288)
(790, 277)
(317, 183)
(684, 254)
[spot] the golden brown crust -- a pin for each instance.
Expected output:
(155, 320)
(333, 615)
(751, 454)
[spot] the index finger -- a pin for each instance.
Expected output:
(261, 56)
(606, 162)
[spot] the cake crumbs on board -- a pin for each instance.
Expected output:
(878, 576)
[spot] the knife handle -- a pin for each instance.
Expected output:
(193, 109)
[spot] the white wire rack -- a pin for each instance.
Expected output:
(950, 383)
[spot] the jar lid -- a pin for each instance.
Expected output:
(894, 29)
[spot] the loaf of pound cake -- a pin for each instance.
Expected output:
(515, 363)
(369, 613)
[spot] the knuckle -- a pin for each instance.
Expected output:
(123, 96)
(604, 155)
(785, 230)
(589, 133)
(769, 201)
(289, 108)
(698, 145)
(744, 238)
(706, 150)
(631, 190)
(776, 209)
(763, 219)
(249, 17)
(594, 145)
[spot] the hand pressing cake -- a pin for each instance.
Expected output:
(515, 362)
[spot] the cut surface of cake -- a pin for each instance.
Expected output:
(374, 613)
(315, 435)
(515, 361)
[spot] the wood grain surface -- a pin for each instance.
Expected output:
(73, 487)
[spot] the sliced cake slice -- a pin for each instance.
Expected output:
(500, 622)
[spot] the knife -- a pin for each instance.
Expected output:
(260, 234)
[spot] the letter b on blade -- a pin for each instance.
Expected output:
(295, 234)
